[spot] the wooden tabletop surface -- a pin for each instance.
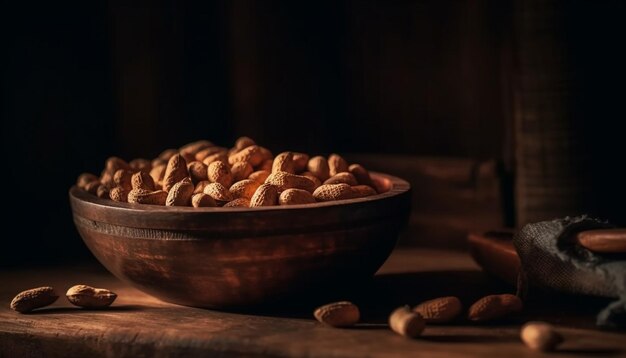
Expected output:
(138, 325)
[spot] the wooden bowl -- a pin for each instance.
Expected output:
(229, 258)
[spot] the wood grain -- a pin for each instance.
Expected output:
(139, 325)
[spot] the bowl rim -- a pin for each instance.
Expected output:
(397, 185)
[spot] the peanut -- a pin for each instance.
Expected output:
(265, 195)
(494, 307)
(330, 192)
(313, 178)
(266, 165)
(114, 164)
(343, 177)
(266, 154)
(188, 157)
(239, 202)
(197, 171)
(242, 143)
(157, 173)
(406, 323)
(102, 191)
(106, 178)
(142, 196)
(361, 174)
(29, 300)
(295, 197)
(284, 181)
(141, 180)
(90, 297)
(119, 194)
(158, 161)
(241, 171)
(202, 200)
(218, 192)
(319, 167)
(283, 162)
(244, 188)
(251, 154)
(176, 171)
(219, 172)
(195, 147)
(180, 193)
(336, 164)
(361, 191)
(85, 179)
(167, 154)
(300, 161)
(122, 178)
(439, 310)
(540, 336)
(200, 186)
(259, 176)
(140, 164)
(92, 187)
(217, 157)
(338, 314)
(203, 154)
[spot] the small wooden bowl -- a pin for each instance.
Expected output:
(229, 258)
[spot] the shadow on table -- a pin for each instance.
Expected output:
(80, 310)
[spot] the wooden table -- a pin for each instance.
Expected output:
(138, 325)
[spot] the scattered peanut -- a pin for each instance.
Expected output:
(540, 336)
(494, 307)
(90, 297)
(406, 323)
(338, 314)
(439, 310)
(29, 300)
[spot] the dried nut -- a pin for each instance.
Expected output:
(266, 165)
(180, 194)
(319, 167)
(284, 181)
(494, 307)
(265, 195)
(157, 173)
(406, 323)
(242, 143)
(283, 163)
(336, 164)
(343, 177)
(106, 178)
(85, 179)
(29, 300)
(241, 171)
(141, 180)
(203, 154)
(142, 196)
(266, 154)
(300, 161)
(175, 171)
(92, 187)
(140, 164)
(244, 188)
(201, 200)
(114, 164)
(313, 178)
(219, 172)
(251, 154)
(157, 162)
(239, 202)
(119, 194)
(89, 297)
(195, 147)
(122, 178)
(338, 314)
(102, 192)
(197, 171)
(361, 174)
(216, 157)
(439, 310)
(259, 176)
(167, 154)
(361, 191)
(330, 192)
(295, 197)
(218, 192)
(540, 336)
(200, 186)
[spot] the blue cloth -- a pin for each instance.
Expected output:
(551, 258)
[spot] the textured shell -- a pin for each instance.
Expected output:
(241, 171)
(180, 194)
(122, 178)
(494, 307)
(202, 200)
(157, 173)
(29, 300)
(265, 195)
(319, 167)
(284, 181)
(195, 147)
(244, 188)
(336, 164)
(343, 177)
(218, 192)
(203, 154)
(102, 191)
(361, 191)
(313, 178)
(85, 179)
(251, 154)
(140, 164)
(259, 176)
(219, 172)
(338, 314)
(141, 180)
(114, 164)
(283, 163)
(439, 310)
(200, 186)
(217, 157)
(167, 154)
(361, 174)
(90, 297)
(330, 192)
(141, 196)
(175, 171)
(295, 197)
(300, 161)
(92, 187)
(243, 142)
(239, 202)
(406, 323)
(119, 194)
(266, 165)
(197, 171)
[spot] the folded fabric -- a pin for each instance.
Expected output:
(551, 258)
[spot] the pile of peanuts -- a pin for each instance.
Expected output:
(201, 174)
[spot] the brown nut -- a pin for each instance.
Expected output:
(494, 307)
(338, 314)
(336, 164)
(29, 300)
(202, 200)
(295, 197)
(439, 310)
(540, 336)
(406, 323)
(319, 167)
(175, 171)
(90, 297)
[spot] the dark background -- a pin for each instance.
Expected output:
(83, 80)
